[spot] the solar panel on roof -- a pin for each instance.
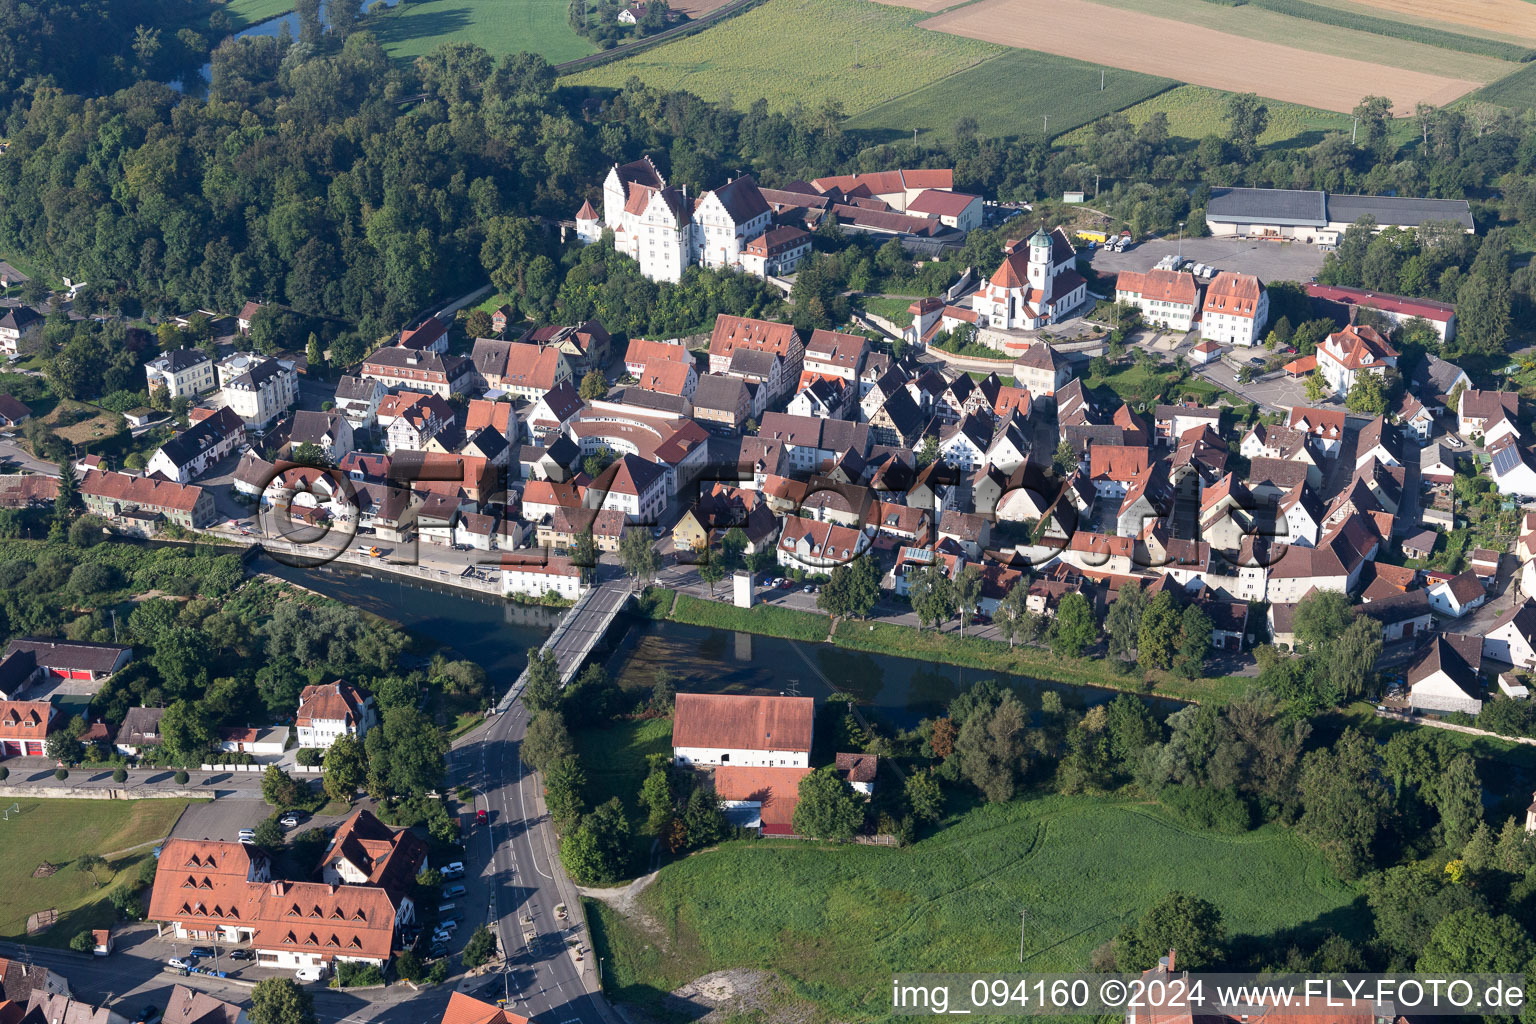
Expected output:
(1505, 460)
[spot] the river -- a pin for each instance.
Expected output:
(498, 635)
(272, 27)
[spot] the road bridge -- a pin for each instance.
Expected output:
(584, 625)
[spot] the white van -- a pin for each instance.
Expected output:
(309, 973)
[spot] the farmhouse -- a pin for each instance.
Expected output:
(760, 798)
(745, 731)
(1318, 217)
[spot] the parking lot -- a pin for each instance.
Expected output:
(1270, 261)
(1275, 392)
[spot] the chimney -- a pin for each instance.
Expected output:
(1170, 961)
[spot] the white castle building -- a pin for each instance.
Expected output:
(664, 230)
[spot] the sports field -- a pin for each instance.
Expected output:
(57, 833)
(1037, 85)
(802, 51)
(837, 921)
(1196, 54)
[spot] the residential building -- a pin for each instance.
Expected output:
(722, 403)
(1324, 427)
(289, 924)
(431, 372)
(1036, 285)
(734, 335)
(834, 356)
(197, 449)
(819, 546)
(365, 851)
(742, 731)
(776, 252)
(180, 372)
(670, 377)
(431, 335)
(75, 660)
(412, 420)
(18, 326)
(1458, 595)
(332, 710)
(464, 1009)
(1445, 676)
(954, 209)
(258, 389)
(585, 346)
(895, 189)
(144, 502)
(330, 431)
(1492, 414)
(633, 486)
(1512, 637)
(188, 1006)
(1041, 370)
(535, 576)
(1167, 298)
(1513, 470)
(1236, 309)
(358, 398)
(1355, 350)
(808, 441)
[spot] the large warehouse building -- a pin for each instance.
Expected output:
(1318, 217)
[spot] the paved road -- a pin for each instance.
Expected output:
(521, 882)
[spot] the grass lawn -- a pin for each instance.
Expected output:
(408, 30)
(892, 307)
(1036, 84)
(1038, 662)
(837, 921)
(803, 51)
(98, 425)
(59, 832)
(243, 13)
(767, 619)
(1195, 111)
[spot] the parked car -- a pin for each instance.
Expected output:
(248, 836)
(289, 821)
(241, 954)
(453, 870)
(453, 892)
(200, 952)
(482, 816)
(179, 964)
(309, 974)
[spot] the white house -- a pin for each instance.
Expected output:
(332, 710)
(1445, 677)
(1458, 595)
(954, 209)
(1512, 638)
(197, 449)
(1489, 413)
(630, 485)
(818, 546)
(776, 252)
(742, 730)
(358, 398)
(1355, 350)
(1512, 471)
(1166, 298)
(536, 577)
(182, 371)
(1236, 309)
(17, 325)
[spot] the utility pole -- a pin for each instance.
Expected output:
(1023, 916)
(1096, 186)
(1181, 241)
(1101, 79)
(1047, 128)
(1353, 130)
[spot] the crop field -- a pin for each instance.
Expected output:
(1507, 17)
(1037, 85)
(1194, 112)
(58, 832)
(249, 12)
(1252, 21)
(1160, 46)
(407, 31)
(1516, 91)
(837, 921)
(802, 51)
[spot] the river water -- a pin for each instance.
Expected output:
(498, 635)
(272, 27)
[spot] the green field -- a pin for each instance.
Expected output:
(836, 921)
(767, 619)
(1324, 30)
(1195, 111)
(409, 30)
(895, 308)
(1036, 84)
(243, 13)
(1516, 91)
(802, 51)
(60, 831)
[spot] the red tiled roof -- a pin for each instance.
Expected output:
(27, 719)
(940, 203)
(332, 702)
(777, 789)
(732, 332)
(140, 490)
(743, 722)
(1426, 308)
(1163, 285)
(1235, 294)
(466, 1009)
(1121, 463)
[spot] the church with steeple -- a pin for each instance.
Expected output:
(1037, 284)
